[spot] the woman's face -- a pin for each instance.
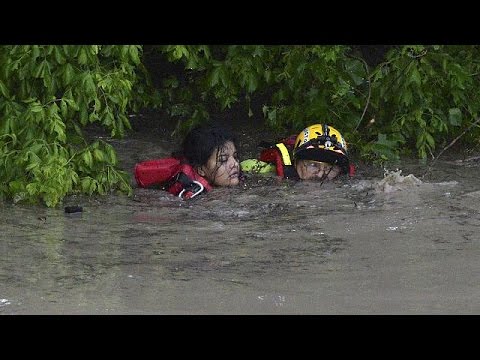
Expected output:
(222, 167)
(310, 170)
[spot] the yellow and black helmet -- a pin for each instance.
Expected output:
(324, 143)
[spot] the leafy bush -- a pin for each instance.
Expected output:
(415, 100)
(49, 93)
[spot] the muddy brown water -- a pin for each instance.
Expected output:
(392, 243)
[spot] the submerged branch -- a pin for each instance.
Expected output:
(449, 146)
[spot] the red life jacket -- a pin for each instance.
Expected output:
(173, 175)
(280, 154)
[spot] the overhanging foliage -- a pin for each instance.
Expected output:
(413, 101)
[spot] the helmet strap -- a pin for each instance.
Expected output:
(325, 176)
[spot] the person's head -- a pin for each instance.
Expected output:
(320, 152)
(212, 152)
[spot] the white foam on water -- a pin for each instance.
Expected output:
(4, 302)
(394, 181)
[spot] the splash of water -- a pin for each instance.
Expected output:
(394, 181)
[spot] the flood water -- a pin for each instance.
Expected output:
(379, 243)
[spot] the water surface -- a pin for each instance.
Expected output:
(393, 243)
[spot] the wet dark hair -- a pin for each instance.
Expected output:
(203, 140)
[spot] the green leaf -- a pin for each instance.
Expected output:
(32, 165)
(406, 97)
(179, 51)
(40, 70)
(3, 90)
(78, 130)
(415, 76)
(85, 183)
(87, 158)
(59, 57)
(420, 140)
(83, 115)
(59, 128)
(111, 154)
(252, 83)
(429, 139)
(89, 84)
(36, 108)
(133, 51)
(99, 155)
(455, 116)
(71, 103)
(82, 56)
(214, 76)
(68, 74)
(63, 108)
(35, 52)
(268, 75)
(94, 49)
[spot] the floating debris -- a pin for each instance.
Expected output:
(73, 209)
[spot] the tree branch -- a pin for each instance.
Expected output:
(450, 145)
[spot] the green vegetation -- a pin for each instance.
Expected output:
(413, 102)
